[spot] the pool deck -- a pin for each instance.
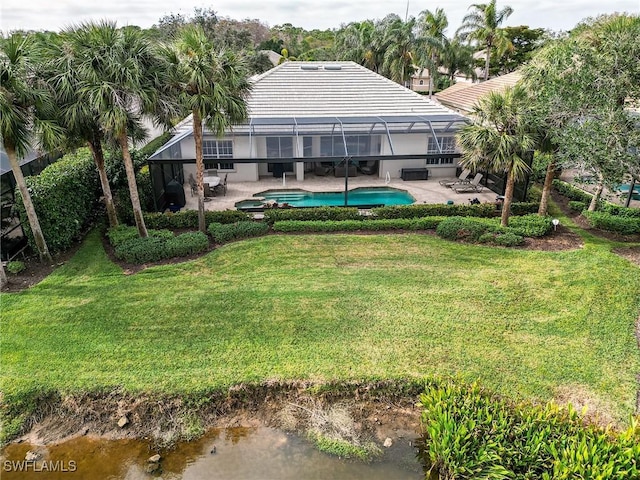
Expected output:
(424, 191)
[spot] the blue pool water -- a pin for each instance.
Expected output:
(357, 197)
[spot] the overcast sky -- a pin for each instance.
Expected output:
(309, 14)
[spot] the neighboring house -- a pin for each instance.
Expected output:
(305, 118)
(420, 79)
(462, 97)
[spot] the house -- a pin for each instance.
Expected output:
(420, 79)
(311, 118)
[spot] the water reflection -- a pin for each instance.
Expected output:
(240, 454)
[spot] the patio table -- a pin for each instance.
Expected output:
(212, 181)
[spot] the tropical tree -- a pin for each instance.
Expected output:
(432, 41)
(122, 79)
(356, 42)
(3, 276)
(398, 42)
(457, 59)
(500, 138)
(211, 84)
(26, 113)
(79, 117)
(483, 25)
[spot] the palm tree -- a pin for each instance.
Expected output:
(122, 79)
(26, 107)
(431, 37)
(498, 139)
(355, 42)
(79, 117)
(456, 59)
(483, 25)
(211, 84)
(3, 276)
(399, 42)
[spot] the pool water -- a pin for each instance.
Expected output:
(358, 197)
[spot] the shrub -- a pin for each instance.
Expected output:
(435, 210)
(462, 228)
(524, 208)
(16, 266)
(223, 233)
(142, 250)
(122, 233)
(577, 206)
(64, 196)
(189, 218)
(508, 239)
(572, 193)
(188, 243)
(122, 201)
(613, 223)
(530, 225)
(322, 213)
(290, 226)
(621, 211)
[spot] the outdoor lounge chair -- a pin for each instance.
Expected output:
(221, 187)
(473, 186)
(462, 178)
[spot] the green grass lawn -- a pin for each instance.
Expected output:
(525, 323)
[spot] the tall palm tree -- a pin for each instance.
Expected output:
(26, 110)
(122, 79)
(79, 117)
(399, 43)
(432, 40)
(483, 25)
(498, 139)
(212, 85)
(456, 59)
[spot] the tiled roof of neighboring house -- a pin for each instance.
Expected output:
(462, 98)
(330, 89)
(274, 57)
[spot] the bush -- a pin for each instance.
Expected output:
(122, 201)
(16, 266)
(495, 438)
(621, 211)
(64, 196)
(485, 210)
(290, 226)
(122, 233)
(530, 225)
(188, 243)
(462, 228)
(613, 223)
(189, 218)
(572, 193)
(322, 213)
(223, 233)
(577, 206)
(524, 208)
(159, 245)
(508, 239)
(142, 250)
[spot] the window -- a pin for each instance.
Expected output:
(307, 146)
(356, 145)
(421, 82)
(213, 150)
(280, 147)
(448, 145)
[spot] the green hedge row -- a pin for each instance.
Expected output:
(524, 208)
(322, 213)
(122, 233)
(64, 196)
(486, 210)
(189, 218)
(613, 223)
(223, 233)
(621, 211)
(469, 434)
(122, 201)
(159, 246)
(290, 226)
(572, 193)
(530, 225)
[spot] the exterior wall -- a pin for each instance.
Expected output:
(411, 144)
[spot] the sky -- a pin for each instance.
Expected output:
(309, 14)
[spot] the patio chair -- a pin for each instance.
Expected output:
(221, 187)
(208, 192)
(473, 186)
(193, 185)
(462, 178)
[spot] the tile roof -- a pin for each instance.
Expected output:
(462, 98)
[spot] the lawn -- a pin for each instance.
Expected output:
(525, 323)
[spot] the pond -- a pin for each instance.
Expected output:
(232, 453)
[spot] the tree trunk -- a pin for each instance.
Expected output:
(3, 276)
(508, 198)
(596, 196)
(133, 186)
(486, 62)
(197, 136)
(98, 158)
(546, 189)
(41, 244)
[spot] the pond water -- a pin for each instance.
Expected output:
(240, 453)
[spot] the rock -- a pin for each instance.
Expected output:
(213, 450)
(123, 421)
(155, 459)
(152, 468)
(387, 442)
(31, 456)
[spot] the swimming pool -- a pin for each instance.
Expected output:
(358, 197)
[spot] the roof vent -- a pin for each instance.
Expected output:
(333, 67)
(308, 67)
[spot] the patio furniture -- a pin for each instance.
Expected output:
(193, 185)
(414, 174)
(473, 186)
(211, 180)
(221, 187)
(462, 178)
(208, 192)
(211, 172)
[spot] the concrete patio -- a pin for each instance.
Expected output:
(424, 191)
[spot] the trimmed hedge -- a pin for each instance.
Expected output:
(621, 211)
(524, 208)
(470, 433)
(123, 233)
(485, 210)
(613, 223)
(572, 193)
(290, 226)
(530, 225)
(465, 229)
(64, 196)
(321, 213)
(577, 206)
(223, 233)
(189, 218)
(159, 246)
